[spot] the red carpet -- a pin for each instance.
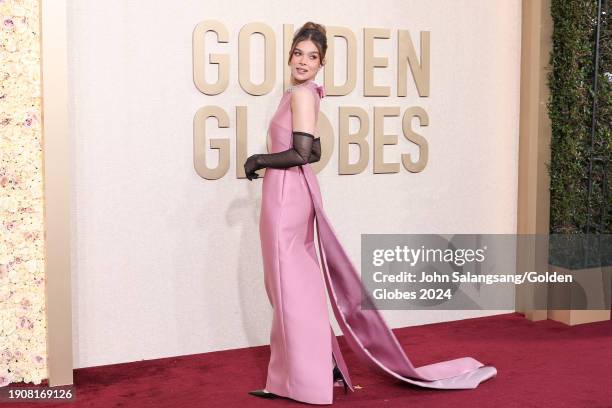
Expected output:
(540, 364)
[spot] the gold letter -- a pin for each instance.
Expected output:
(244, 58)
(369, 62)
(351, 61)
(199, 143)
(344, 115)
(415, 138)
(380, 139)
(222, 60)
(420, 72)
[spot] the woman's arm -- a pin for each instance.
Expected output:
(303, 115)
(303, 119)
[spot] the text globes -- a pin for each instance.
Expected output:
(369, 136)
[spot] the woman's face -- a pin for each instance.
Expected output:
(305, 61)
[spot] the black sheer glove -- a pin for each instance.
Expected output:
(298, 155)
(315, 153)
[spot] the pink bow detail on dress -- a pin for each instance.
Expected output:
(320, 90)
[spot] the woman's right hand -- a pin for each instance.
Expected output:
(251, 166)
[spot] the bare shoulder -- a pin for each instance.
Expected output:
(302, 96)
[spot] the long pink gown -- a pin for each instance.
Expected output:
(302, 342)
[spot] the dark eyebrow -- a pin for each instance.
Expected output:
(313, 52)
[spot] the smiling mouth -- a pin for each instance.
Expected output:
(302, 71)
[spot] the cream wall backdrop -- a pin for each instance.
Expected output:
(167, 263)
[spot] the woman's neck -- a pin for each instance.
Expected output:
(301, 83)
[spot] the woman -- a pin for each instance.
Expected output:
(305, 360)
